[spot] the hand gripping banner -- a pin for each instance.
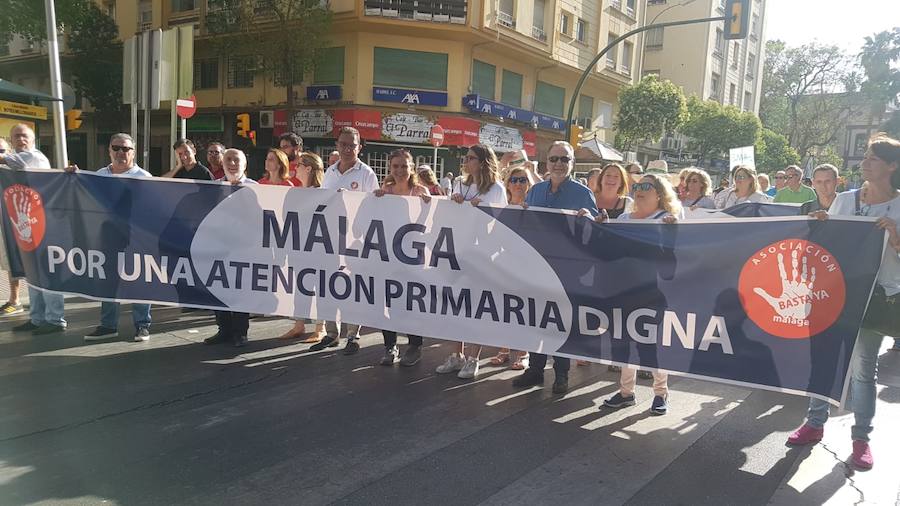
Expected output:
(773, 303)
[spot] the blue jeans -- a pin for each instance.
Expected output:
(109, 315)
(46, 307)
(863, 369)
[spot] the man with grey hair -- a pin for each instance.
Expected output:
(12, 305)
(794, 191)
(47, 309)
(824, 181)
(559, 191)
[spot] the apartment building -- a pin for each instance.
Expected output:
(500, 72)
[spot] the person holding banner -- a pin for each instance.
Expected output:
(558, 192)
(697, 188)
(480, 184)
(12, 305)
(277, 169)
(824, 180)
(745, 189)
(879, 197)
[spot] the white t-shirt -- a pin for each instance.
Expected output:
(133, 171)
(360, 178)
(496, 194)
(731, 199)
(845, 205)
(33, 159)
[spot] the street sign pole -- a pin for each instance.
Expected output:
(59, 124)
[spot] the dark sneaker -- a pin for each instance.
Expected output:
(10, 309)
(411, 356)
(101, 333)
(48, 328)
(659, 406)
(390, 356)
(351, 347)
(561, 385)
(240, 341)
(142, 334)
(528, 379)
(215, 339)
(327, 342)
(26, 327)
(619, 401)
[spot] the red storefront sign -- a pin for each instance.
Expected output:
(529, 142)
(280, 119)
(367, 122)
(459, 131)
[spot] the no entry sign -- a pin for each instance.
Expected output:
(186, 107)
(437, 135)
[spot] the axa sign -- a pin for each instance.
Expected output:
(316, 93)
(405, 96)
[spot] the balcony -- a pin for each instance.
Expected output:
(610, 63)
(439, 11)
(615, 4)
(538, 33)
(506, 19)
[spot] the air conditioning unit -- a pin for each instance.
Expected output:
(266, 119)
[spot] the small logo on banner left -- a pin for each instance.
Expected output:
(792, 289)
(26, 212)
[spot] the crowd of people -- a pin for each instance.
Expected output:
(613, 192)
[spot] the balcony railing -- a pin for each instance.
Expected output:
(538, 33)
(506, 19)
(610, 63)
(452, 11)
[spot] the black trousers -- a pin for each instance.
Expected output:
(537, 362)
(232, 324)
(390, 339)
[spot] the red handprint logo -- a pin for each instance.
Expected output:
(26, 212)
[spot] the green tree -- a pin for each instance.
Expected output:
(714, 128)
(773, 151)
(29, 20)
(879, 57)
(828, 154)
(647, 111)
(892, 125)
(96, 64)
(285, 36)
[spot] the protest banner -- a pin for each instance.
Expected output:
(773, 303)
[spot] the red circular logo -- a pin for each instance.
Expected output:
(792, 289)
(26, 212)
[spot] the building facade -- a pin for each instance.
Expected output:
(501, 72)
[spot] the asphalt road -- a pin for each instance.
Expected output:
(173, 421)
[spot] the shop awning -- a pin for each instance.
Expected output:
(601, 150)
(14, 91)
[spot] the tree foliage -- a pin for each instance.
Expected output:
(773, 151)
(96, 64)
(285, 36)
(648, 110)
(879, 57)
(26, 17)
(714, 128)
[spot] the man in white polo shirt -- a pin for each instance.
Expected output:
(348, 173)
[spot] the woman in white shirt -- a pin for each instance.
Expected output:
(745, 189)
(481, 183)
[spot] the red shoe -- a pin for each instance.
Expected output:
(862, 455)
(806, 435)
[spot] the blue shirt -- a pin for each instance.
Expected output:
(570, 195)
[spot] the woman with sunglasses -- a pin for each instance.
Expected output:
(697, 188)
(277, 169)
(611, 191)
(879, 197)
(518, 181)
(481, 183)
(745, 189)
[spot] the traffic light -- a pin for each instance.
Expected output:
(737, 19)
(252, 135)
(243, 125)
(73, 119)
(575, 135)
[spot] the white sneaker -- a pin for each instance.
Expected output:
(454, 363)
(470, 369)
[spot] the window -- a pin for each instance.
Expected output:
(719, 48)
(145, 18)
(581, 31)
(330, 66)
(731, 92)
(184, 5)
(751, 66)
(714, 86)
(206, 74)
(511, 92)
(611, 56)
(585, 111)
(565, 24)
(240, 71)
(748, 101)
(860, 143)
(484, 79)
(627, 51)
(604, 116)
(735, 55)
(655, 38)
(538, 19)
(629, 7)
(549, 99)
(506, 15)
(656, 2)
(392, 68)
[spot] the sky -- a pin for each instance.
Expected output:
(843, 23)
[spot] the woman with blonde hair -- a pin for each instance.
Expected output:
(277, 169)
(428, 179)
(697, 188)
(745, 189)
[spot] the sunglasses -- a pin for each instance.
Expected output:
(214, 152)
(780, 177)
(121, 148)
(741, 178)
(518, 179)
(638, 173)
(2, 151)
(563, 159)
(642, 187)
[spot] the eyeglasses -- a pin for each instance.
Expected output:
(121, 148)
(563, 159)
(637, 173)
(741, 178)
(214, 152)
(518, 179)
(641, 187)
